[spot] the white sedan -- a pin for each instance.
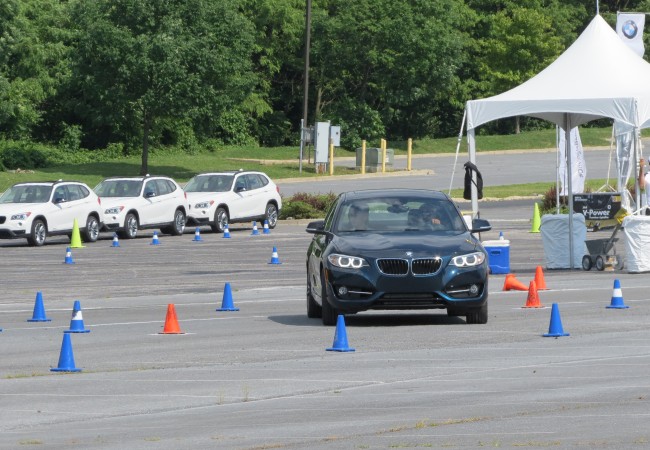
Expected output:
(219, 198)
(40, 209)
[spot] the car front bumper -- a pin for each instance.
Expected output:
(360, 290)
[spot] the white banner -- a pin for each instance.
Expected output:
(578, 164)
(629, 27)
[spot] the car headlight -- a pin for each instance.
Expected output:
(469, 260)
(204, 205)
(21, 216)
(114, 210)
(347, 262)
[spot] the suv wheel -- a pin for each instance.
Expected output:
(179, 223)
(91, 234)
(329, 313)
(477, 316)
(220, 220)
(130, 226)
(38, 234)
(271, 215)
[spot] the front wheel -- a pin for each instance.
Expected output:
(587, 263)
(329, 313)
(38, 234)
(130, 226)
(220, 220)
(91, 233)
(314, 310)
(600, 263)
(478, 316)
(271, 215)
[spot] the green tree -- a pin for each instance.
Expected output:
(394, 59)
(140, 62)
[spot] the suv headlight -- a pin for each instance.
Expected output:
(347, 262)
(469, 260)
(21, 216)
(114, 210)
(204, 205)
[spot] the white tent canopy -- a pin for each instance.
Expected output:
(598, 76)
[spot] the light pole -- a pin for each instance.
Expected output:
(305, 100)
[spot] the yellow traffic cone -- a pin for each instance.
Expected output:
(536, 220)
(75, 239)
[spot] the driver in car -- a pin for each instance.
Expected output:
(358, 216)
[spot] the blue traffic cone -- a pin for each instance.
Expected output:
(116, 241)
(274, 257)
(555, 327)
(226, 303)
(340, 337)
(226, 232)
(155, 240)
(255, 230)
(39, 310)
(617, 297)
(197, 235)
(66, 358)
(68, 256)
(77, 321)
(266, 229)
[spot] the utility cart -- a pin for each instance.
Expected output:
(602, 253)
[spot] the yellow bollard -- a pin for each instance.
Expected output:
(383, 156)
(409, 148)
(363, 157)
(331, 157)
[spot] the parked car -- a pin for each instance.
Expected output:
(37, 210)
(219, 198)
(396, 249)
(135, 203)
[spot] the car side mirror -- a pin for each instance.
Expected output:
(149, 194)
(240, 189)
(59, 200)
(480, 226)
(316, 227)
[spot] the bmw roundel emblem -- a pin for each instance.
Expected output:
(630, 29)
(409, 254)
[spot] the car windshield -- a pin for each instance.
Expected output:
(119, 188)
(416, 214)
(209, 183)
(27, 193)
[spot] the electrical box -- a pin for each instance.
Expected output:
(321, 143)
(335, 136)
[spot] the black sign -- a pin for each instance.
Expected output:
(598, 206)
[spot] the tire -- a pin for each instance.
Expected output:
(478, 316)
(329, 313)
(314, 310)
(130, 227)
(271, 215)
(600, 263)
(220, 220)
(587, 263)
(91, 233)
(39, 233)
(179, 223)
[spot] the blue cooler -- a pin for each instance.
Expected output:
(498, 255)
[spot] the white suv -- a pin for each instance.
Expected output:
(218, 198)
(134, 203)
(40, 209)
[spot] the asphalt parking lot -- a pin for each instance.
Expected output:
(260, 377)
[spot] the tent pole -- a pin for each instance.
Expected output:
(471, 144)
(557, 170)
(567, 134)
(460, 138)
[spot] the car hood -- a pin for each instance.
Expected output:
(7, 209)
(202, 196)
(382, 245)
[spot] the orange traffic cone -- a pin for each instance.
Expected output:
(171, 322)
(539, 279)
(512, 283)
(533, 299)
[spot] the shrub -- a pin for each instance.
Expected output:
(307, 206)
(23, 155)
